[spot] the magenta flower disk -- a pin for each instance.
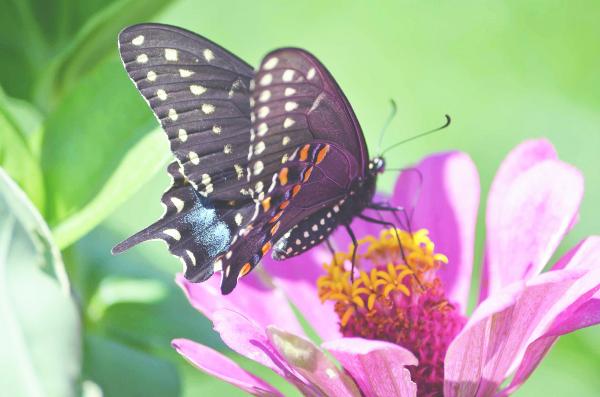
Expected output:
(398, 326)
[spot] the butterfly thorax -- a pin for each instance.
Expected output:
(360, 194)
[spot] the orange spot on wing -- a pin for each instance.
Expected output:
(275, 228)
(307, 174)
(276, 217)
(322, 153)
(283, 176)
(296, 190)
(304, 152)
(265, 248)
(245, 269)
(266, 204)
(284, 204)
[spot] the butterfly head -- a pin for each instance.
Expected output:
(376, 165)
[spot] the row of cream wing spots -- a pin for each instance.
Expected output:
(276, 132)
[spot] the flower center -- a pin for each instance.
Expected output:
(396, 296)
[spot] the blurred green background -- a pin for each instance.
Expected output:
(81, 143)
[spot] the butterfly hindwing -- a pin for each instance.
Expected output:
(194, 228)
(296, 191)
(200, 94)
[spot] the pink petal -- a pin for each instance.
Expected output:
(251, 298)
(447, 201)
(575, 312)
(379, 368)
(247, 338)
(480, 357)
(531, 205)
(219, 366)
(297, 278)
(312, 364)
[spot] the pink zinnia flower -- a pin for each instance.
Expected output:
(401, 328)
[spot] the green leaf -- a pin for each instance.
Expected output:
(122, 371)
(97, 39)
(86, 152)
(47, 43)
(16, 156)
(40, 352)
(139, 165)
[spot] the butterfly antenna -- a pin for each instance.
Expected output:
(388, 121)
(446, 124)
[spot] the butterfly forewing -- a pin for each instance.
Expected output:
(200, 94)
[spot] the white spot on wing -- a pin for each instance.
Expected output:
(197, 89)
(178, 203)
(207, 108)
(285, 140)
(182, 135)
(258, 167)
(208, 55)
(185, 73)
(139, 40)
(259, 186)
(291, 105)
(288, 122)
(205, 179)
(259, 147)
(151, 76)
(271, 63)
(194, 158)
(264, 96)
(161, 94)
(173, 114)
(263, 112)
(289, 91)
(173, 233)
(311, 73)
(262, 129)
(288, 75)
(216, 129)
(142, 58)
(239, 171)
(171, 54)
(190, 254)
(238, 219)
(227, 149)
(218, 266)
(266, 79)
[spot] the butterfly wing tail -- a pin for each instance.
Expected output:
(149, 233)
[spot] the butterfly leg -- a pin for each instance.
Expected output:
(394, 211)
(389, 224)
(330, 247)
(354, 249)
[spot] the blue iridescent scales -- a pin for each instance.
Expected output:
(267, 159)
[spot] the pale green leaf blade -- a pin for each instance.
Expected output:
(87, 141)
(16, 157)
(40, 348)
(138, 166)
